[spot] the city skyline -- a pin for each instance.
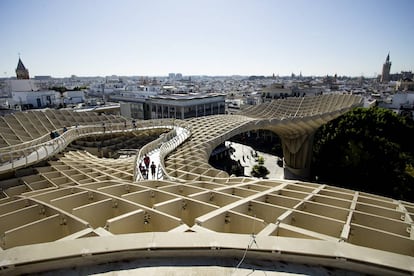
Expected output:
(134, 38)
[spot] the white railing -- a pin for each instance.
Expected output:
(25, 154)
(166, 148)
(165, 144)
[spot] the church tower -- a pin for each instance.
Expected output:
(385, 77)
(21, 72)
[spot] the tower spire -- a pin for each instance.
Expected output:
(21, 72)
(385, 76)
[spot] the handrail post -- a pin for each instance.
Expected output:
(25, 157)
(12, 160)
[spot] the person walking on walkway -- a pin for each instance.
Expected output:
(147, 161)
(143, 171)
(153, 168)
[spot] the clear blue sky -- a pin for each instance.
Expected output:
(211, 37)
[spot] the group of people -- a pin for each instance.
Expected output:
(55, 134)
(144, 169)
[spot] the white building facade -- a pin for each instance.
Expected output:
(25, 94)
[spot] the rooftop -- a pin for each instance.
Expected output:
(189, 96)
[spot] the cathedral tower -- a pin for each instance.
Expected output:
(385, 77)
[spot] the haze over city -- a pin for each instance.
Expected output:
(99, 38)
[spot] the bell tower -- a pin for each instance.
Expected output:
(385, 77)
(21, 72)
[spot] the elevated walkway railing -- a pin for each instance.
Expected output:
(25, 154)
(108, 126)
(166, 148)
(166, 143)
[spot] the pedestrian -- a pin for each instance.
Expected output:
(103, 126)
(146, 161)
(65, 129)
(153, 168)
(52, 135)
(143, 171)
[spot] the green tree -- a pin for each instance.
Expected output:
(259, 170)
(367, 149)
(60, 89)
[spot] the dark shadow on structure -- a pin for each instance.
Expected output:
(261, 140)
(111, 145)
(220, 159)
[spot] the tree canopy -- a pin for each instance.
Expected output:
(370, 150)
(259, 170)
(62, 89)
